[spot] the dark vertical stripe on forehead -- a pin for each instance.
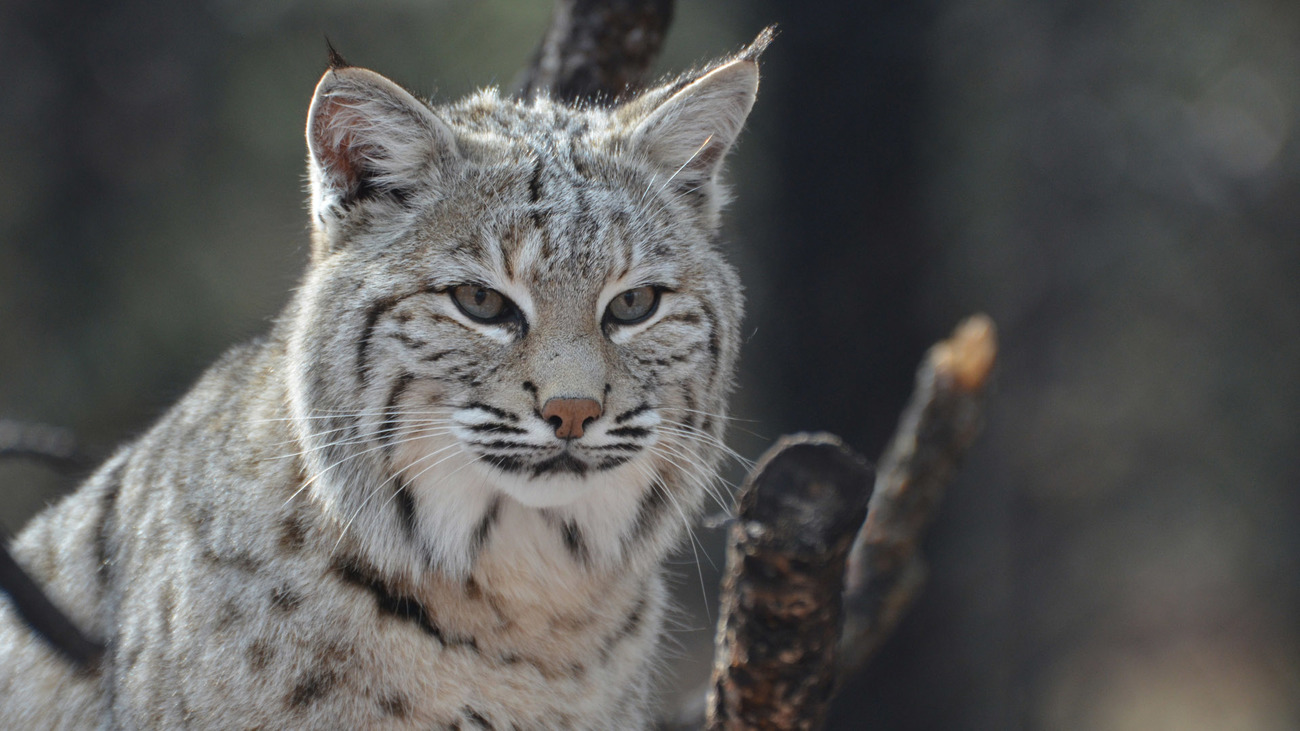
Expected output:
(543, 220)
(575, 158)
(540, 216)
(575, 134)
(535, 182)
(584, 220)
(508, 245)
(512, 240)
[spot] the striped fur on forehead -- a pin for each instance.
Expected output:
(563, 229)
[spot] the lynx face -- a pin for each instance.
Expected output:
(516, 302)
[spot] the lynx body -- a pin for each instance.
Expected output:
(439, 492)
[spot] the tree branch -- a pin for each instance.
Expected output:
(780, 620)
(59, 449)
(597, 50)
(945, 415)
(42, 615)
(775, 667)
(55, 447)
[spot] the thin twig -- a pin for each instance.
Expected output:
(42, 615)
(59, 449)
(51, 445)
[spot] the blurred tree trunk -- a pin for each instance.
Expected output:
(849, 241)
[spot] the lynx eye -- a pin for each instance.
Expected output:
(481, 303)
(634, 305)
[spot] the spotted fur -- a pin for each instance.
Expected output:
(363, 520)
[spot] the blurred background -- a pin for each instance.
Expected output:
(1116, 182)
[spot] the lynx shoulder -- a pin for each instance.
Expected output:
(440, 491)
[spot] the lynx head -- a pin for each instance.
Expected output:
(516, 303)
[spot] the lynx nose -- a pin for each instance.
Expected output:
(570, 415)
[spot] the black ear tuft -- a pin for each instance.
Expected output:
(336, 60)
(760, 44)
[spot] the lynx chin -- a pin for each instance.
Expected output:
(439, 493)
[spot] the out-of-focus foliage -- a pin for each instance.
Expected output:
(1116, 183)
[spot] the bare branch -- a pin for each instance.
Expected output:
(884, 572)
(597, 50)
(59, 449)
(941, 421)
(56, 447)
(780, 619)
(40, 613)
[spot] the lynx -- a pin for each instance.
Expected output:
(440, 491)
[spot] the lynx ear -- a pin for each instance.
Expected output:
(688, 133)
(368, 138)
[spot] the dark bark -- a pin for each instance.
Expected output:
(780, 621)
(787, 578)
(597, 50)
(39, 612)
(940, 423)
(56, 448)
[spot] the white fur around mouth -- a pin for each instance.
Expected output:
(526, 459)
(528, 480)
(538, 487)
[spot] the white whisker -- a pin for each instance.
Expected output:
(375, 490)
(656, 482)
(425, 428)
(689, 160)
(308, 482)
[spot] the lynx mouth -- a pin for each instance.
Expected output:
(528, 450)
(564, 463)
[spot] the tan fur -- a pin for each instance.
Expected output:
(363, 520)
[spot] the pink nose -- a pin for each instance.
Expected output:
(570, 415)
